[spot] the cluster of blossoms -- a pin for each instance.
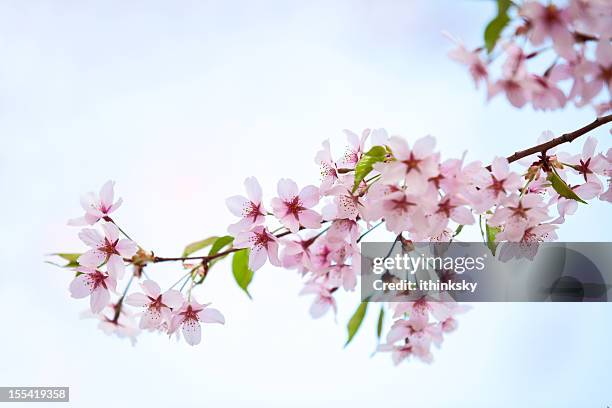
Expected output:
(316, 230)
(103, 266)
(552, 55)
(417, 196)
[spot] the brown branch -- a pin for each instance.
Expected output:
(565, 138)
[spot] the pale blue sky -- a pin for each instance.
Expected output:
(179, 102)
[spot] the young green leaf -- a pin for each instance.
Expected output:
(379, 325)
(497, 25)
(220, 243)
(196, 246)
(491, 233)
(562, 188)
(241, 271)
(355, 322)
(365, 165)
(70, 257)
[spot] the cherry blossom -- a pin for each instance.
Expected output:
(95, 284)
(188, 319)
(293, 208)
(324, 301)
(250, 208)
(549, 21)
(106, 248)
(97, 206)
(158, 306)
(262, 244)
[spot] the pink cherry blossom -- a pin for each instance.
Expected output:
(552, 22)
(450, 208)
(328, 168)
(188, 319)
(501, 182)
(250, 208)
(158, 306)
(97, 206)
(413, 166)
(476, 66)
(324, 301)
(588, 164)
(607, 196)
(355, 149)
(263, 245)
(293, 209)
(122, 325)
(108, 248)
(95, 284)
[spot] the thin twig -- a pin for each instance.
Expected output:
(565, 138)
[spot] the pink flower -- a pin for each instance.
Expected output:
(97, 207)
(599, 71)
(188, 318)
(413, 166)
(108, 248)
(262, 244)
(607, 196)
(416, 341)
(471, 59)
(515, 82)
(546, 95)
(293, 209)
(95, 284)
(323, 300)
(328, 168)
(250, 209)
(501, 183)
(588, 164)
(549, 21)
(355, 149)
(566, 206)
(158, 306)
(450, 208)
(123, 325)
(516, 209)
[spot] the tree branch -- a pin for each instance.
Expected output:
(565, 138)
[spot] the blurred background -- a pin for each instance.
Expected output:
(179, 102)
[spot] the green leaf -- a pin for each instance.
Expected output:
(497, 25)
(70, 257)
(220, 243)
(458, 230)
(562, 188)
(381, 319)
(196, 246)
(241, 271)
(355, 322)
(491, 234)
(365, 165)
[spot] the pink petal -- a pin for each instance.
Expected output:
(173, 298)
(81, 286)
(99, 299)
(210, 315)
(424, 146)
(111, 231)
(137, 300)
(107, 194)
(287, 189)
(291, 223)
(115, 266)
(462, 215)
(192, 332)
(126, 248)
(91, 237)
(309, 196)
(151, 319)
(253, 189)
(237, 204)
(500, 168)
(257, 258)
(310, 219)
(151, 288)
(93, 257)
